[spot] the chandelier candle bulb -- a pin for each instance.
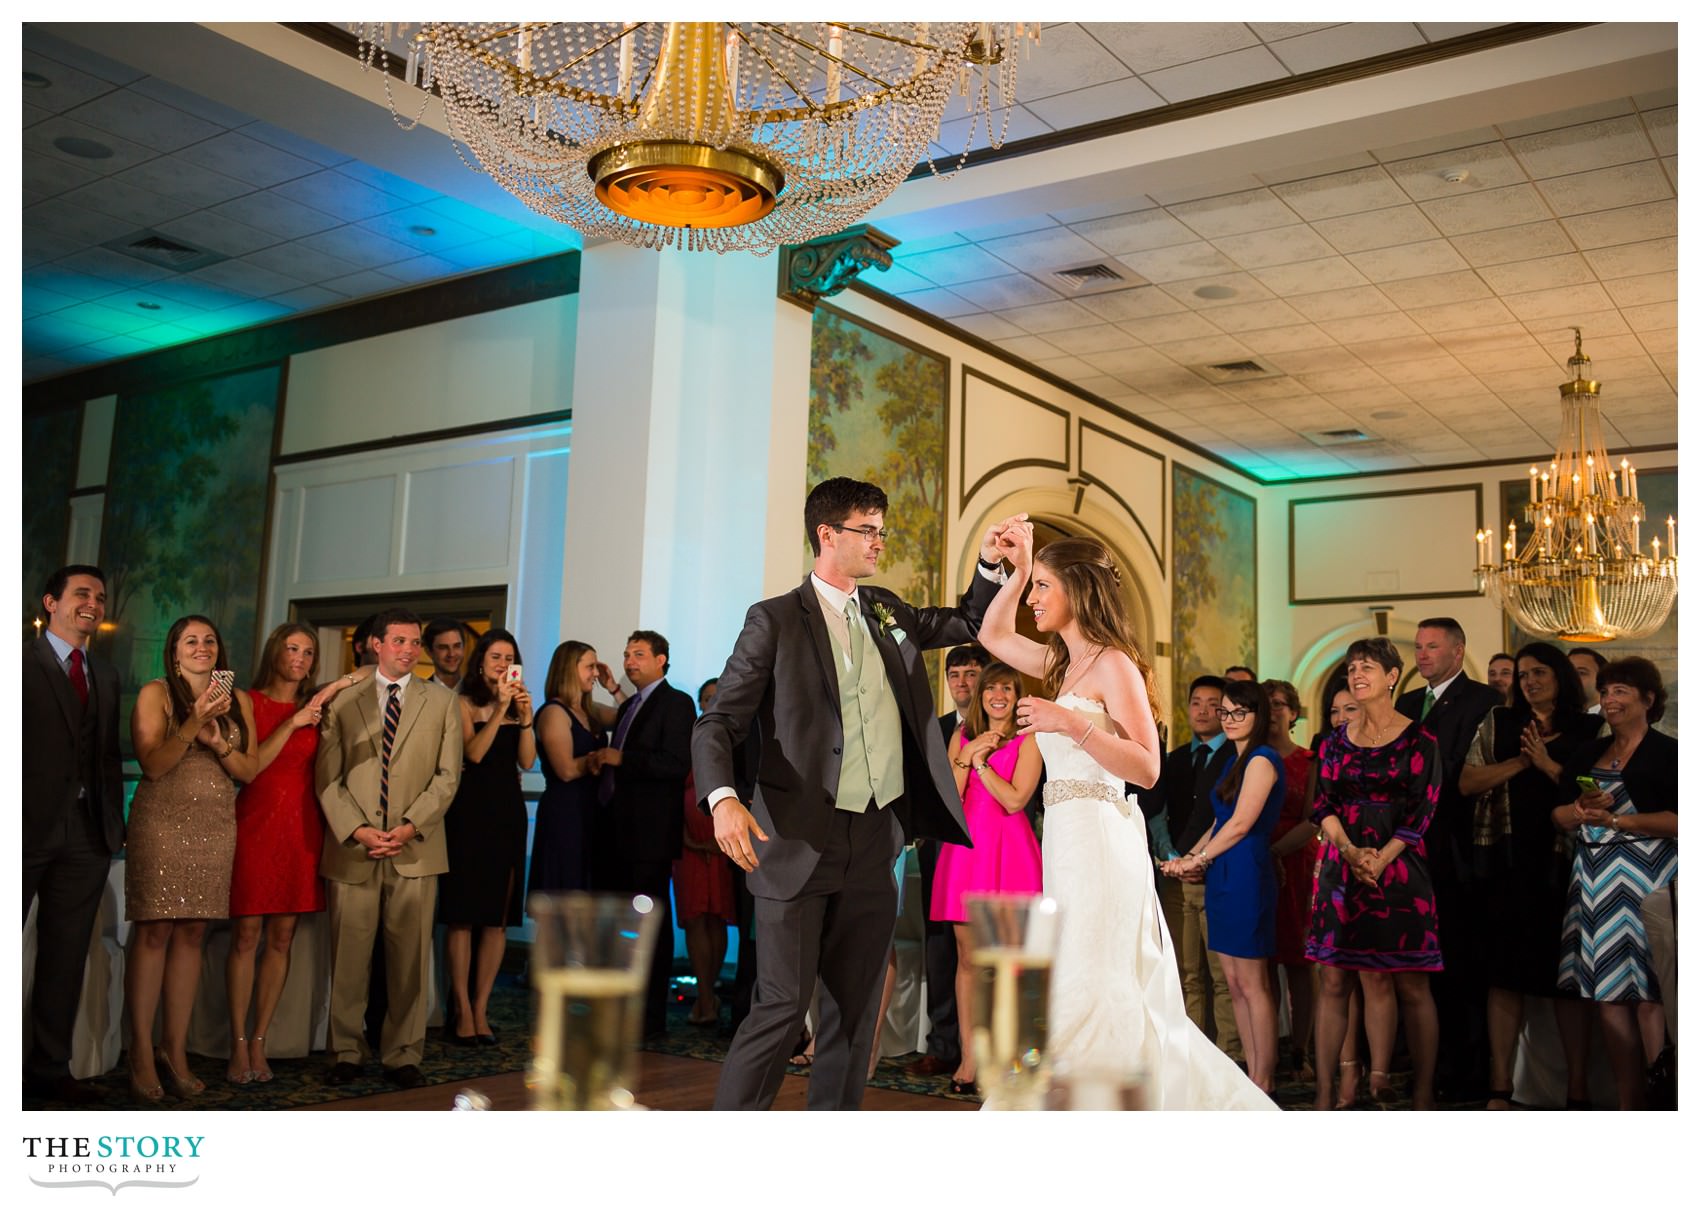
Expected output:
(1671, 523)
(1481, 547)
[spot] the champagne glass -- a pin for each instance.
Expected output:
(590, 964)
(1013, 944)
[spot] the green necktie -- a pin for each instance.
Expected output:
(854, 625)
(1428, 704)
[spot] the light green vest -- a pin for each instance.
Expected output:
(872, 766)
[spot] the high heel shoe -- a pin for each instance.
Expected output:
(145, 1094)
(262, 1073)
(180, 1086)
(233, 1075)
(967, 1088)
(1342, 1103)
(1381, 1093)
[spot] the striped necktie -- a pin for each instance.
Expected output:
(392, 717)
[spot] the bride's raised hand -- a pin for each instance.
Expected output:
(1015, 544)
(1033, 714)
(990, 551)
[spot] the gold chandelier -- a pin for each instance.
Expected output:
(714, 135)
(1581, 574)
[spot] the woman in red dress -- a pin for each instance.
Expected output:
(279, 833)
(1294, 849)
(702, 891)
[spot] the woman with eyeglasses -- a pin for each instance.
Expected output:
(1293, 850)
(1375, 914)
(1232, 859)
(1514, 767)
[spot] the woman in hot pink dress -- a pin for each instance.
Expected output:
(279, 834)
(996, 772)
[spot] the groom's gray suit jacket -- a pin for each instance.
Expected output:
(781, 683)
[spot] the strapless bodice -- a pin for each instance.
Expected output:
(1065, 760)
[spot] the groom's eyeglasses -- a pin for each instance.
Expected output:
(1222, 713)
(869, 533)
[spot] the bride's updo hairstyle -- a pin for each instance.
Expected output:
(1089, 577)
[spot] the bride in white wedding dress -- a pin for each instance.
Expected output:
(1116, 1003)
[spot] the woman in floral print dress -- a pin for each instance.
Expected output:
(1374, 912)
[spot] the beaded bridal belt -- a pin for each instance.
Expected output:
(1059, 790)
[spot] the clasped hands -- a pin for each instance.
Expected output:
(1365, 863)
(384, 843)
(1188, 869)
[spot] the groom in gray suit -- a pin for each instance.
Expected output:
(829, 678)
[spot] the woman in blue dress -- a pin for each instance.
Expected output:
(1238, 874)
(571, 727)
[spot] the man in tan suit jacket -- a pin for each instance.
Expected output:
(384, 847)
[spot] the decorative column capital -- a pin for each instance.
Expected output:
(821, 268)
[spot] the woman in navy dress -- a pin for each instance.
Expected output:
(1239, 876)
(1378, 784)
(570, 728)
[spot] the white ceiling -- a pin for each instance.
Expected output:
(1433, 315)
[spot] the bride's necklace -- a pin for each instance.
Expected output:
(1075, 675)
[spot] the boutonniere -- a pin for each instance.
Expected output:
(883, 614)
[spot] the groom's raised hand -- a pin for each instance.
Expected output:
(732, 826)
(990, 549)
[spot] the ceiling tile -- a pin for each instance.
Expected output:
(987, 326)
(1177, 262)
(940, 302)
(1333, 304)
(1052, 248)
(107, 319)
(244, 278)
(1624, 226)
(356, 247)
(1346, 378)
(1277, 246)
(1661, 129)
(1488, 166)
(1311, 277)
(1542, 304)
(1121, 204)
(1439, 31)
(41, 137)
(1015, 290)
(365, 282)
(1069, 58)
(1280, 340)
(1009, 227)
(218, 233)
(1471, 314)
(1522, 243)
(67, 87)
(1100, 385)
(56, 174)
(1243, 288)
(1435, 290)
(270, 212)
(1051, 317)
(1346, 44)
(195, 294)
(140, 119)
(338, 194)
(57, 217)
(1132, 362)
(1574, 149)
(77, 284)
(417, 269)
(952, 265)
(294, 144)
(389, 183)
(1648, 288)
(1407, 261)
(1507, 334)
(298, 261)
(1427, 368)
(1148, 46)
(1095, 339)
(1130, 304)
(1207, 77)
(1607, 189)
(1069, 368)
(1376, 229)
(1349, 330)
(1274, 31)
(1136, 232)
(1244, 317)
(1435, 145)
(1234, 214)
(1521, 276)
(1176, 326)
(236, 155)
(1169, 195)
(1616, 107)
(1094, 104)
(137, 207)
(1492, 208)
(177, 178)
(1343, 193)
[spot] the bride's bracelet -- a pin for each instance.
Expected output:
(1087, 735)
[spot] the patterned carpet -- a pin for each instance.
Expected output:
(300, 1082)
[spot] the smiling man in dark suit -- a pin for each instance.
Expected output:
(830, 677)
(1451, 706)
(640, 817)
(73, 812)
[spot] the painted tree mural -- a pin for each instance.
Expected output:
(1215, 579)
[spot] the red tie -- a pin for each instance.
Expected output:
(79, 682)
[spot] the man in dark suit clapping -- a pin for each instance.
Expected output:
(640, 821)
(73, 812)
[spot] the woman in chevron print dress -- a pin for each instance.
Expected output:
(1625, 851)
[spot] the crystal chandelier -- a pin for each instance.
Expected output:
(1581, 574)
(714, 135)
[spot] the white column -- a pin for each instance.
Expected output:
(690, 424)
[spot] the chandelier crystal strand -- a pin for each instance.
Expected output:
(1582, 574)
(716, 134)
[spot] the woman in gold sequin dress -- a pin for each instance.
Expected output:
(192, 741)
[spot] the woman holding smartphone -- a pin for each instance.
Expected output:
(192, 739)
(485, 831)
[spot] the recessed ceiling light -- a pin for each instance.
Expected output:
(88, 149)
(1215, 292)
(146, 306)
(36, 80)
(419, 229)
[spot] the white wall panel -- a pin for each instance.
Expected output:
(459, 518)
(345, 530)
